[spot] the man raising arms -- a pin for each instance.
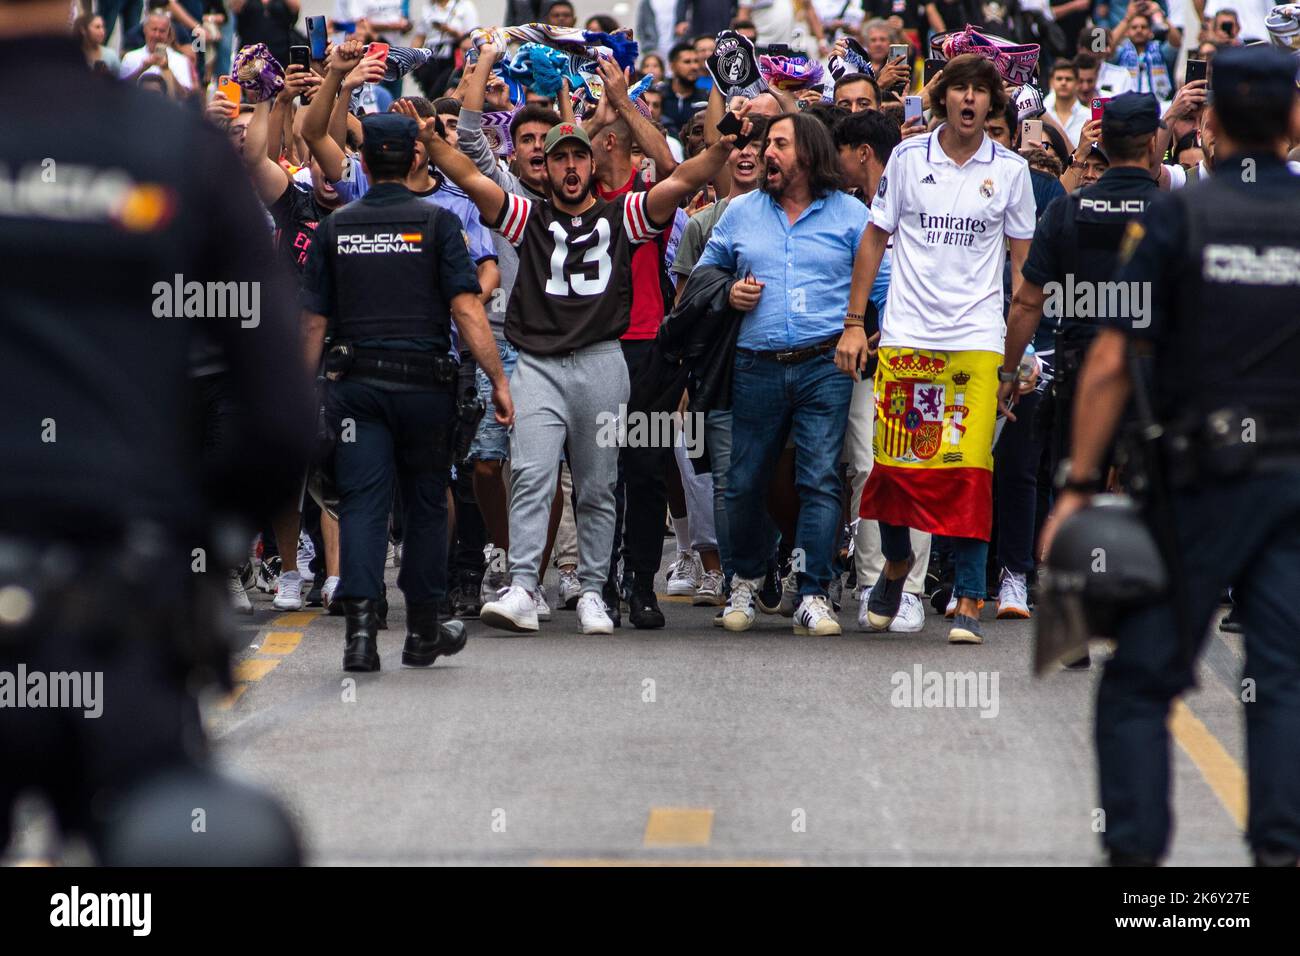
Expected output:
(570, 305)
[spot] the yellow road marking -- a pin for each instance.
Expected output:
(602, 861)
(276, 642)
(295, 618)
(1216, 765)
(678, 826)
(281, 642)
(254, 669)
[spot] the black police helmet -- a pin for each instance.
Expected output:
(1103, 561)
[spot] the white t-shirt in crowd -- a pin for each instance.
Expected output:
(665, 12)
(1112, 80)
(176, 63)
(1250, 14)
(460, 15)
(829, 11)
(774, 20)
(949, 224)
(1074, 123)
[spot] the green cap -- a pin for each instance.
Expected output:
(563, 131)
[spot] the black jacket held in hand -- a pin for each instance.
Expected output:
(696, 342)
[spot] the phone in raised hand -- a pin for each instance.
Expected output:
(233, 92)
(318, 36)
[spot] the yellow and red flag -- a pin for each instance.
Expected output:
(933, 467)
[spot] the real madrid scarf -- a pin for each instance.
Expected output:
(1015, 62)
(734, 68)
(585, 43)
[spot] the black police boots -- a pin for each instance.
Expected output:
(643, 606)
(426, 639)
(361, 650)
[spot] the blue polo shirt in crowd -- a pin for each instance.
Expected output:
(806, 268)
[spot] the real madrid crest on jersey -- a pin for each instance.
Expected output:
(575, 221)
(986, 189)
(884, 184)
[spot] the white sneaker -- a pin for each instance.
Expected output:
(539, 602)
(238, 596)
(591, 614)
(709, 593)
(513, 610)
(289, 596)
(570, 588)
(1013, 595)
(306, 554)
(327, 591)
(815, 617)
(789, 594)
(910, 617)
(739, 615)
(684, 574)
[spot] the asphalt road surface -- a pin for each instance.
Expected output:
(691, 744)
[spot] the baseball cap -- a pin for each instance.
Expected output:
(1248, 74)
(389, 132)
(1131, 114)
(563, 131)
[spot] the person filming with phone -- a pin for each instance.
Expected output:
(1149, 61)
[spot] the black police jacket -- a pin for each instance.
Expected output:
(388, 266)
(1077, 245)
(126, 223)
(1222, 258)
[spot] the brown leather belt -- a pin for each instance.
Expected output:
(794, 356)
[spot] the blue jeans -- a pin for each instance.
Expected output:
(809, 401)
(1244, 534)
(969, 556)
(395, 437)
(492, 440)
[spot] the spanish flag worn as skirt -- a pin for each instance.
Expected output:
(933, 467)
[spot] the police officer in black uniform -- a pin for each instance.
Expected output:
(386, 277)
(1076, 244)
(114, 203)
(1222, 258)
(1076, 247)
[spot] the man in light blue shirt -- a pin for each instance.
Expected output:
(791, 245)
(799, 267)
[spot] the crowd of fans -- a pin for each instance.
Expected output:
(766, 519)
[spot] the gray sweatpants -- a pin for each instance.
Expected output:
(565, 402)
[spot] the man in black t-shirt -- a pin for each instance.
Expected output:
(571, 303)
(295, 207)
(296, 210)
